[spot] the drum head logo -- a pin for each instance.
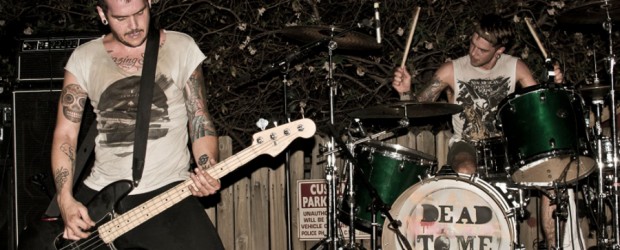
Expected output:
(448, 216)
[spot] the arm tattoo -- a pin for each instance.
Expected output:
(202, 161)
(432, 91)
(69, 151)
(63, 173)
(61, 177)
(200, 122)
(73, 99)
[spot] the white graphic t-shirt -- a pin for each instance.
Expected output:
(479, 92)
(114, 95)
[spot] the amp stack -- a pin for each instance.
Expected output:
(31, 109)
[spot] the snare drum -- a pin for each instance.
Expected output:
(492, 162)
(390, 169)
(545, 135)
(451, 212)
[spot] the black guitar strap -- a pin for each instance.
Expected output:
(144, 104)
(142, 121)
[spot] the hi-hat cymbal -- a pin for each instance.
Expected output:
(589, 13)
(407, 109)
(351, 40)
(595, 91)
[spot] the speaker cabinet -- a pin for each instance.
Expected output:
(34, 119)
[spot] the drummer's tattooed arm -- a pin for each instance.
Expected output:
(432, 91)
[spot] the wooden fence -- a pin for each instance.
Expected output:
(249, 212)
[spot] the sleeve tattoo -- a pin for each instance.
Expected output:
(432, 91)
(200, 122)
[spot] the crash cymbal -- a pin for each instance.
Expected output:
(407, 109)
(351, 40)
(589, 13)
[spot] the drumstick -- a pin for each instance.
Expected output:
(529, 25)
(410, 38)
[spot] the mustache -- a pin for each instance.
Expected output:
(134, 31)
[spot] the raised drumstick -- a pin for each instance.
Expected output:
(410, 38)
(529, 25)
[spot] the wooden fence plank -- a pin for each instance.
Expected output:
(297, 173)
(225, 208)
(243, 217)
(260, 209)
(276, 208)
(441, 143)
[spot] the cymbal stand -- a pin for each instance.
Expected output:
(601, 194)
(560, 213)
(331, 169)
(608, 25)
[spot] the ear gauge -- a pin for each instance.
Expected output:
(104, 21)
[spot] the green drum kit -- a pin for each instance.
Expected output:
(400, 195)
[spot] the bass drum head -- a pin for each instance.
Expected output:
(451, 212)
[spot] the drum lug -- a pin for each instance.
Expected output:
(521, 160)
(511, 107)
(552, 143)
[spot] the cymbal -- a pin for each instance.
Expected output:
(595, 91)
(592, 12)
(407, 109)
(351, 40)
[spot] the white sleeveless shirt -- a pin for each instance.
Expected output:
(479, 92)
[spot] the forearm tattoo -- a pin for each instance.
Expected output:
(202, 161)
(432, 91)
(69, 151)
(63, 174)
(200, 122)
(73, 99)
(61, 177)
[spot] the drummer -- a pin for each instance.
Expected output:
(478, 82)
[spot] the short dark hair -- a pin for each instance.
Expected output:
(104, 5)
(496, 30)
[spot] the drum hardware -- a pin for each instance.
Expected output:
(377, 203)
(517, 197)
(407, 109)
(333, 38)
(559, 198)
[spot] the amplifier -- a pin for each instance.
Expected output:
(41, 59)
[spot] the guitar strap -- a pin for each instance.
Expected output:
(142, 122)
(144, 104)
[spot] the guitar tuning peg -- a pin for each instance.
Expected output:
(262, 123)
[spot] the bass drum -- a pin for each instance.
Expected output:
(451, 212)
